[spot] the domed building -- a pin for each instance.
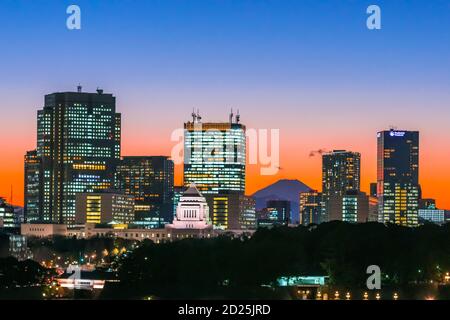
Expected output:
(192, 211)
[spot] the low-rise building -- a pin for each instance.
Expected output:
(18, 247)
(432, 215)
(231, 211)
(7, 215)
(43, 230)
(352, 206)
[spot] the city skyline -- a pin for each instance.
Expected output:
(286, 67)
(313, 154)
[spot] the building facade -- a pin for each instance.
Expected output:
(432, 215)
(398, 177)
(373, 209)
(78, 146)
(215, 155)
(311, 211)
(32, 187)
(192, 211)
(177, 193)
(150, 180)
(231, 211)
(247, 213)
(43, 230)
(353, 206)
(340, 173)
(104, 207)
(281, 209)
(7, 216)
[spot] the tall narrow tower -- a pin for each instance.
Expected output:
(398, 177)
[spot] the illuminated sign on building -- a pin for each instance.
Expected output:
(397, 133)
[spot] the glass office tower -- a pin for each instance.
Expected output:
(78, 145)
(32, 187)
(214, 155)
(150, 179)
(340, 173)
(398, 177)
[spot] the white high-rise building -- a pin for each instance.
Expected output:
(192, 211)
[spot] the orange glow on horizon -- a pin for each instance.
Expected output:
(295, 163)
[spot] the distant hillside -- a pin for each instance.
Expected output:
(282, 190)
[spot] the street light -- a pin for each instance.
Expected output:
(348, 296)
(395, 296)
(378, 296)
(366, 296)
(319, 295)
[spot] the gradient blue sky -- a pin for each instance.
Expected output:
(310, 68)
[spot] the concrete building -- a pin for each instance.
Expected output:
(43, 230)
(156, 235)
(192, 211)
(231, 211)
(104, 207)
(353, 206)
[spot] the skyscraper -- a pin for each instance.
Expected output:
(150, 180)
(78, 146)
(340, 173)
(398, 177)
(32, 187)
(215, 155)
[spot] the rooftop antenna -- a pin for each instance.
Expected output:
(238, 117)
(392, 127)
(194, 116)
(79, 88)
(198, 115)
(231, 116)
(99, 91)
(11, 198)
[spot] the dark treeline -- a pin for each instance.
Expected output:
(75, 249)
(198, 268)
(14, 273)
(4, 245)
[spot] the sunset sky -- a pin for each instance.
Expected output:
(309, 68)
